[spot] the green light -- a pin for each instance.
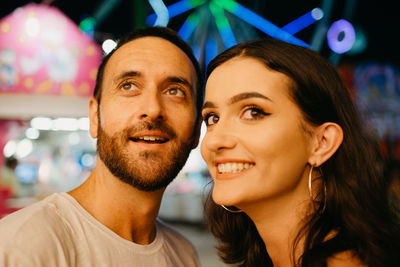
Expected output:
(222, 22)
(87, 24)
(218, 13)
(194, 18)
(197, 2)
(229, 5)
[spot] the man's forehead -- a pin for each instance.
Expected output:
(151, 45)
(151, 54)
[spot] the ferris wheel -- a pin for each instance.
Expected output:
(213, 26)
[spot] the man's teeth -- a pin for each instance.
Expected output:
(151, 138)
(233, 167)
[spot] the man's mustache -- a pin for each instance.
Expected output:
(150, 126)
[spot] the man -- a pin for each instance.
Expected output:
(145, 115)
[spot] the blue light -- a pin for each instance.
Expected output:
(223, 26)
(302, 22)
(161, 12)
(349, 36)
(322, 26)
(211, 50)
(317, 13)
(27, 173)
(227, 37)
(188, 26)
(175, 9)
(196, 51)
(179, 7)
(265, 26)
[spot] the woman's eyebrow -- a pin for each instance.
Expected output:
(209, 104)
(236, 98)
(242, 96)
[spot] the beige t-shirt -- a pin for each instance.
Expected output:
(57, 231)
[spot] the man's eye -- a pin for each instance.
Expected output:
(128, 86)
(254, 113)
(176, 92)
(211, 119)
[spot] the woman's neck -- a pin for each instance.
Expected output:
(278, 222)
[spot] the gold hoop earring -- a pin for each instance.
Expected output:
(310, 182)
(232, 211)
(310, 189)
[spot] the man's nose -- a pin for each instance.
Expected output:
(152, 107)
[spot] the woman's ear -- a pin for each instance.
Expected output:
(93, 117)
(327, 139)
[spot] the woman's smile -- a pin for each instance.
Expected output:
(230, 169)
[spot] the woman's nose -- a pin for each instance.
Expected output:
(218, 139)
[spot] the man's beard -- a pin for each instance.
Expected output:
(145, 170)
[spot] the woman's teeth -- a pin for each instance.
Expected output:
(233, 167)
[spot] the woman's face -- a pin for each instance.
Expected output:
(256, 145)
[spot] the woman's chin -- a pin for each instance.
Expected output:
(221, 198)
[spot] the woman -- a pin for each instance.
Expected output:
(295, 181)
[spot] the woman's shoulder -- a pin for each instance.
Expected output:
(344, 259)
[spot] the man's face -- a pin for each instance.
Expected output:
(145, 122)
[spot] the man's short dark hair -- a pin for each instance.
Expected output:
(166, 34)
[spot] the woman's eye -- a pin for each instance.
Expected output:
(211, 119)
(176, 92)
(253, 114)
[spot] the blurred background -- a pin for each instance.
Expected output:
(50, 51)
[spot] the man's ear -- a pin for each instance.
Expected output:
(93, 117)
(196, 133)
(327, 139)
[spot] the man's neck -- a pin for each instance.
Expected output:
(125, 210)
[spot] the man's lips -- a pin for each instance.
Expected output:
(150, 138)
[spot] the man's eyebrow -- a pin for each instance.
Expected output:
(239, 97)
(181, 80)
(127, 74)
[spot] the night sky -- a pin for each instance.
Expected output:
(378, 20)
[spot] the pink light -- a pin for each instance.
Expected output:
(42, 51)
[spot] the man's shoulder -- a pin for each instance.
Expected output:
(36, 235)
(34, 222)
(174, 238)
(177, 244)
(170, 233)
